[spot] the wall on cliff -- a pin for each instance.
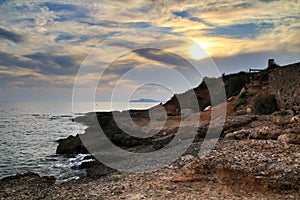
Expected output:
(284, 83)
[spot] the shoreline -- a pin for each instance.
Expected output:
(249, 166)
(256, 156)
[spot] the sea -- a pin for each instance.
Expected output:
(29, 131)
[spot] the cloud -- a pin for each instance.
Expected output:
(54, 64)
(51, 39)
(66, 12)
(163, 56)
(18, 77)
(10, 35)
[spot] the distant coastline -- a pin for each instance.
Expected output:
(144, 100)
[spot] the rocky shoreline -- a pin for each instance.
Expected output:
(256, 155)
(256, 158)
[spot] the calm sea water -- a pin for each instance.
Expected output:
(28, 132)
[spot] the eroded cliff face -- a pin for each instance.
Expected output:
(284, 83)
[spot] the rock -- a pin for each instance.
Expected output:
(187, 157)
(289, 138)
(257, 129)
(242, 92)
(277, 119)
(241, 134)
(265, 133)
(71, 145)
(291, 112)
(294, 119)
(249, 110)
(235, 123)
(231, 98)
(208, 108)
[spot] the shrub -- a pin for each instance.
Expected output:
(284, 113)
(265, 105)
(235, 85)
(239, 104)
(264, 76)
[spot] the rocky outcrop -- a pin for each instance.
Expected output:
(25, 186)
(105, 120)
(70, 146)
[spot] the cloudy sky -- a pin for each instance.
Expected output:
(45, 45)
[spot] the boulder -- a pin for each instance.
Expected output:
(71, 145)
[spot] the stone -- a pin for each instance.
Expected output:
(187, 157)
(249, 110)
(264, 133)
(294, 119)
(242, 92)
(231, 99)
(277, 119)
(291, 112)
(289, 138)
(208, 108)
(241, 134)
(71, 145)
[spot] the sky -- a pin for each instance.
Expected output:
(137, 49)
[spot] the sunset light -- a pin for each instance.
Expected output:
(198, 50)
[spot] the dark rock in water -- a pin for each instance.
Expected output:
(22, 186)
(73, 145)
(70, 145)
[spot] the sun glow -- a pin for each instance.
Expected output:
(198, 50)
